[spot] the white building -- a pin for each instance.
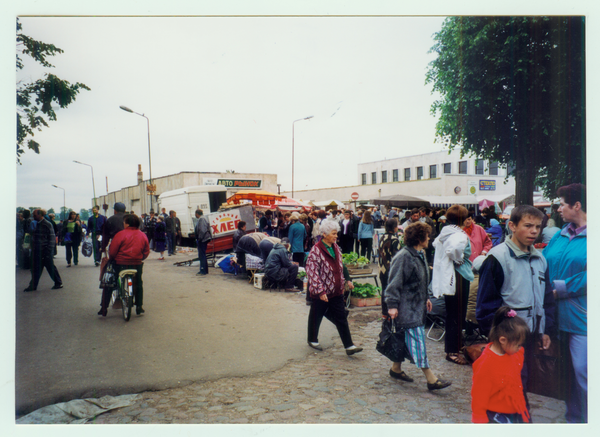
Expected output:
(137, 199)
(440, 177)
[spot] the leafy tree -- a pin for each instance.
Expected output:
(513, 91)
(85, 214)
(34, 99)
(51, 211)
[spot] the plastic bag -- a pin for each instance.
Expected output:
(87, 248)
(109, 279)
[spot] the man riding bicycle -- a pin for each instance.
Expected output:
(129, 248)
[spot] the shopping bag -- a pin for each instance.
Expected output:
(546, 370)
(87, 248)
(392, 343)
(109, 278)
(27, 242)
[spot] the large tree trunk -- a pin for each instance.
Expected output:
(524, 179)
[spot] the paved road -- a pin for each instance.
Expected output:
(216, 350)
(194, 328)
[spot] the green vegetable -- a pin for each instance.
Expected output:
(349, 258)
(301, 275)
(365, 290)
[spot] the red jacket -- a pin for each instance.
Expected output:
(129, 247)
(497, 385)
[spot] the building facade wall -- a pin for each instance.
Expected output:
(443, 184)
(136, 198)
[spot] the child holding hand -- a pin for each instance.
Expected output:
(497, 391)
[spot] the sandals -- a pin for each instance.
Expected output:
(456, 359)
(403, 376)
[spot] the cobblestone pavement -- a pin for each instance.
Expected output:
(325, 388)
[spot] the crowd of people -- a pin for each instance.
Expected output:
(526, 278)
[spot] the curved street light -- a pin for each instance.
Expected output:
(64, 211)
(125, 108)
(300, 119)
(93, 183)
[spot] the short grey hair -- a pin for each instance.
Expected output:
(327, 226)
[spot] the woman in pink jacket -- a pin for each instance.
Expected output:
(480, 240)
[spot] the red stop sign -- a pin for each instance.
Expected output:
(354, 196)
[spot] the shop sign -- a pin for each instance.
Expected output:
(487, 185)
(235, 183)
(472, 186)
(225, 222)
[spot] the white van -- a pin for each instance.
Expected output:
(185, 202)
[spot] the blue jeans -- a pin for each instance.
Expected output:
(171, 243)
(202, 257)
(577, 391)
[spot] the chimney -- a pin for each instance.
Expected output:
(140, 174)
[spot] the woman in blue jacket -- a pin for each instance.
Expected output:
(567, 267)
(365, 235)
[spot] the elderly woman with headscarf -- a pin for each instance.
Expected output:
(495, 230)
(327, 279)
(452, 274)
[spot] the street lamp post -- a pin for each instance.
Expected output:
(64, 202)
(125, 108)
(93, 183)
(300, 119)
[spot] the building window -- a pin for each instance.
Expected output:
(384, 176)
(374, 177)
(407, 174)
(432, 171)
(395, 175)
(419, 173)
(494, 168)
(364, 178)
(479, 167)
(448, 168)
(462, 167)
(510, 169)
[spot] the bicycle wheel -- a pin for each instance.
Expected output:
(126, 296)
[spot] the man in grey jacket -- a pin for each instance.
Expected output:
(42, 252)
(202, 232)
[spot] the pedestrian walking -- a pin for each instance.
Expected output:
(160, 237)
(72, 238)
(42, 252)
(95, 227)
(407, 301)
(327, 279)
(365, 235)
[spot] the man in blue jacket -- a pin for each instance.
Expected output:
(567, 263)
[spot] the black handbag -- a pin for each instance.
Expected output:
(392, 343)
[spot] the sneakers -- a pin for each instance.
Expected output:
(316, 346)
(56, 286)
(353, 350)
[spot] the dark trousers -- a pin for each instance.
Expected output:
(172, 243)
(202, 256)
(138, 284)
(335, 311)
(383, 277)
(456, 310)
(287, 274)
(356, 245)
(346, 243)
(298, 257)
(366, 247)
(72, 253)
(96, 246)
(38, 262)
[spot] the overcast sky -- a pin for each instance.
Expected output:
(222, 93)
